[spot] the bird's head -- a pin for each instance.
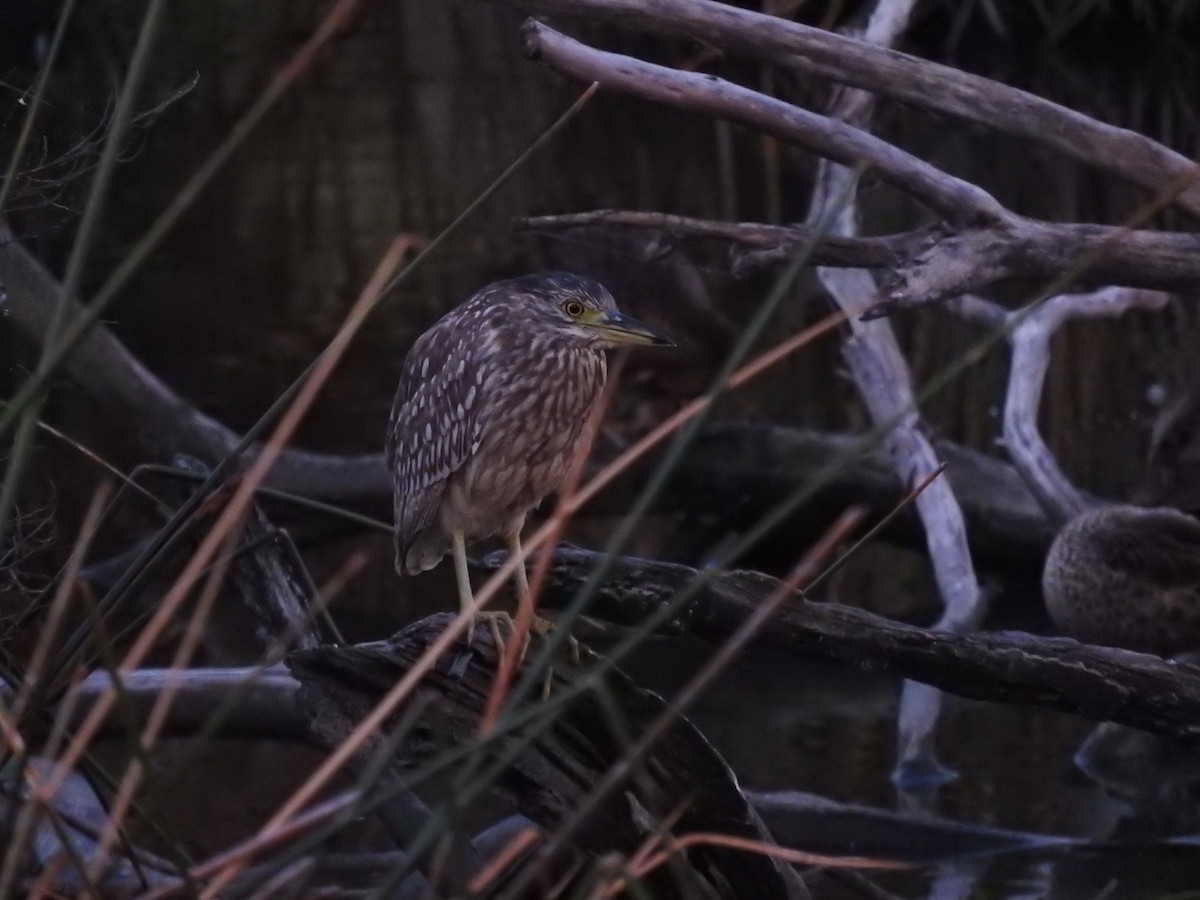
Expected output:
(582, 311)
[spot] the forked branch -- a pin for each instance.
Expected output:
(977, 242)
(901, 76)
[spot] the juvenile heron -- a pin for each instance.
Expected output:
(492, 402)
(1127, 576)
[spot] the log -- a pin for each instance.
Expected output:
(741, 469)
(550, 777)
(1100, 683)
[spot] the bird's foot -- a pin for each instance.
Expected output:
(494, 619)
(543, 627)
(540, 627)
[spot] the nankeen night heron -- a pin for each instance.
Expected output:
(1127, 576)
(492, 403)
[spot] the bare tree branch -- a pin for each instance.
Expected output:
(780, 241)
(1030, 361)
(266, 705)
(900, 76)
(933, 264)
(885, 384)
(969, 260)
(1100, 683)
(953, 199)
(166, 423)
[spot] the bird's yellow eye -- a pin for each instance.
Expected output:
(573, 308)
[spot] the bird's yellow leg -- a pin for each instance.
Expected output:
(458, 545)
(539, 624)
(520, 575)
(522, 579)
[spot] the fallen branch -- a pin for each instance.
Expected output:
(822, 825)
(738, 470)
(1098, 683)
(549, 778)
(265, 707)
(162, 422)
(741, 467)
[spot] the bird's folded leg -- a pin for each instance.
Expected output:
(494, 620)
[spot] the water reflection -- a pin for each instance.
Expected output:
(786, 726)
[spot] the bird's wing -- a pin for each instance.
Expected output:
(1164, 550)
(433, 430)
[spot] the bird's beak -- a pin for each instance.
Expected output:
(622, 329)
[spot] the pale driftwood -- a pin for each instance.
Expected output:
(818, 824)
(900, 76)
(70, 829)
(82, 819)
(254, 702)
(951, 198)
(1029, 332)
(1030, 339)
(881, 374)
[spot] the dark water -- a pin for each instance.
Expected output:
(783, 724)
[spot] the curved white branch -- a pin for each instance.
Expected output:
(1030, 338)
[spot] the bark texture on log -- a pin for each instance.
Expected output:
(1007, 667)
(550, 777)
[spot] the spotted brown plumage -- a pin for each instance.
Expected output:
(492, 402)
(1127, 576)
